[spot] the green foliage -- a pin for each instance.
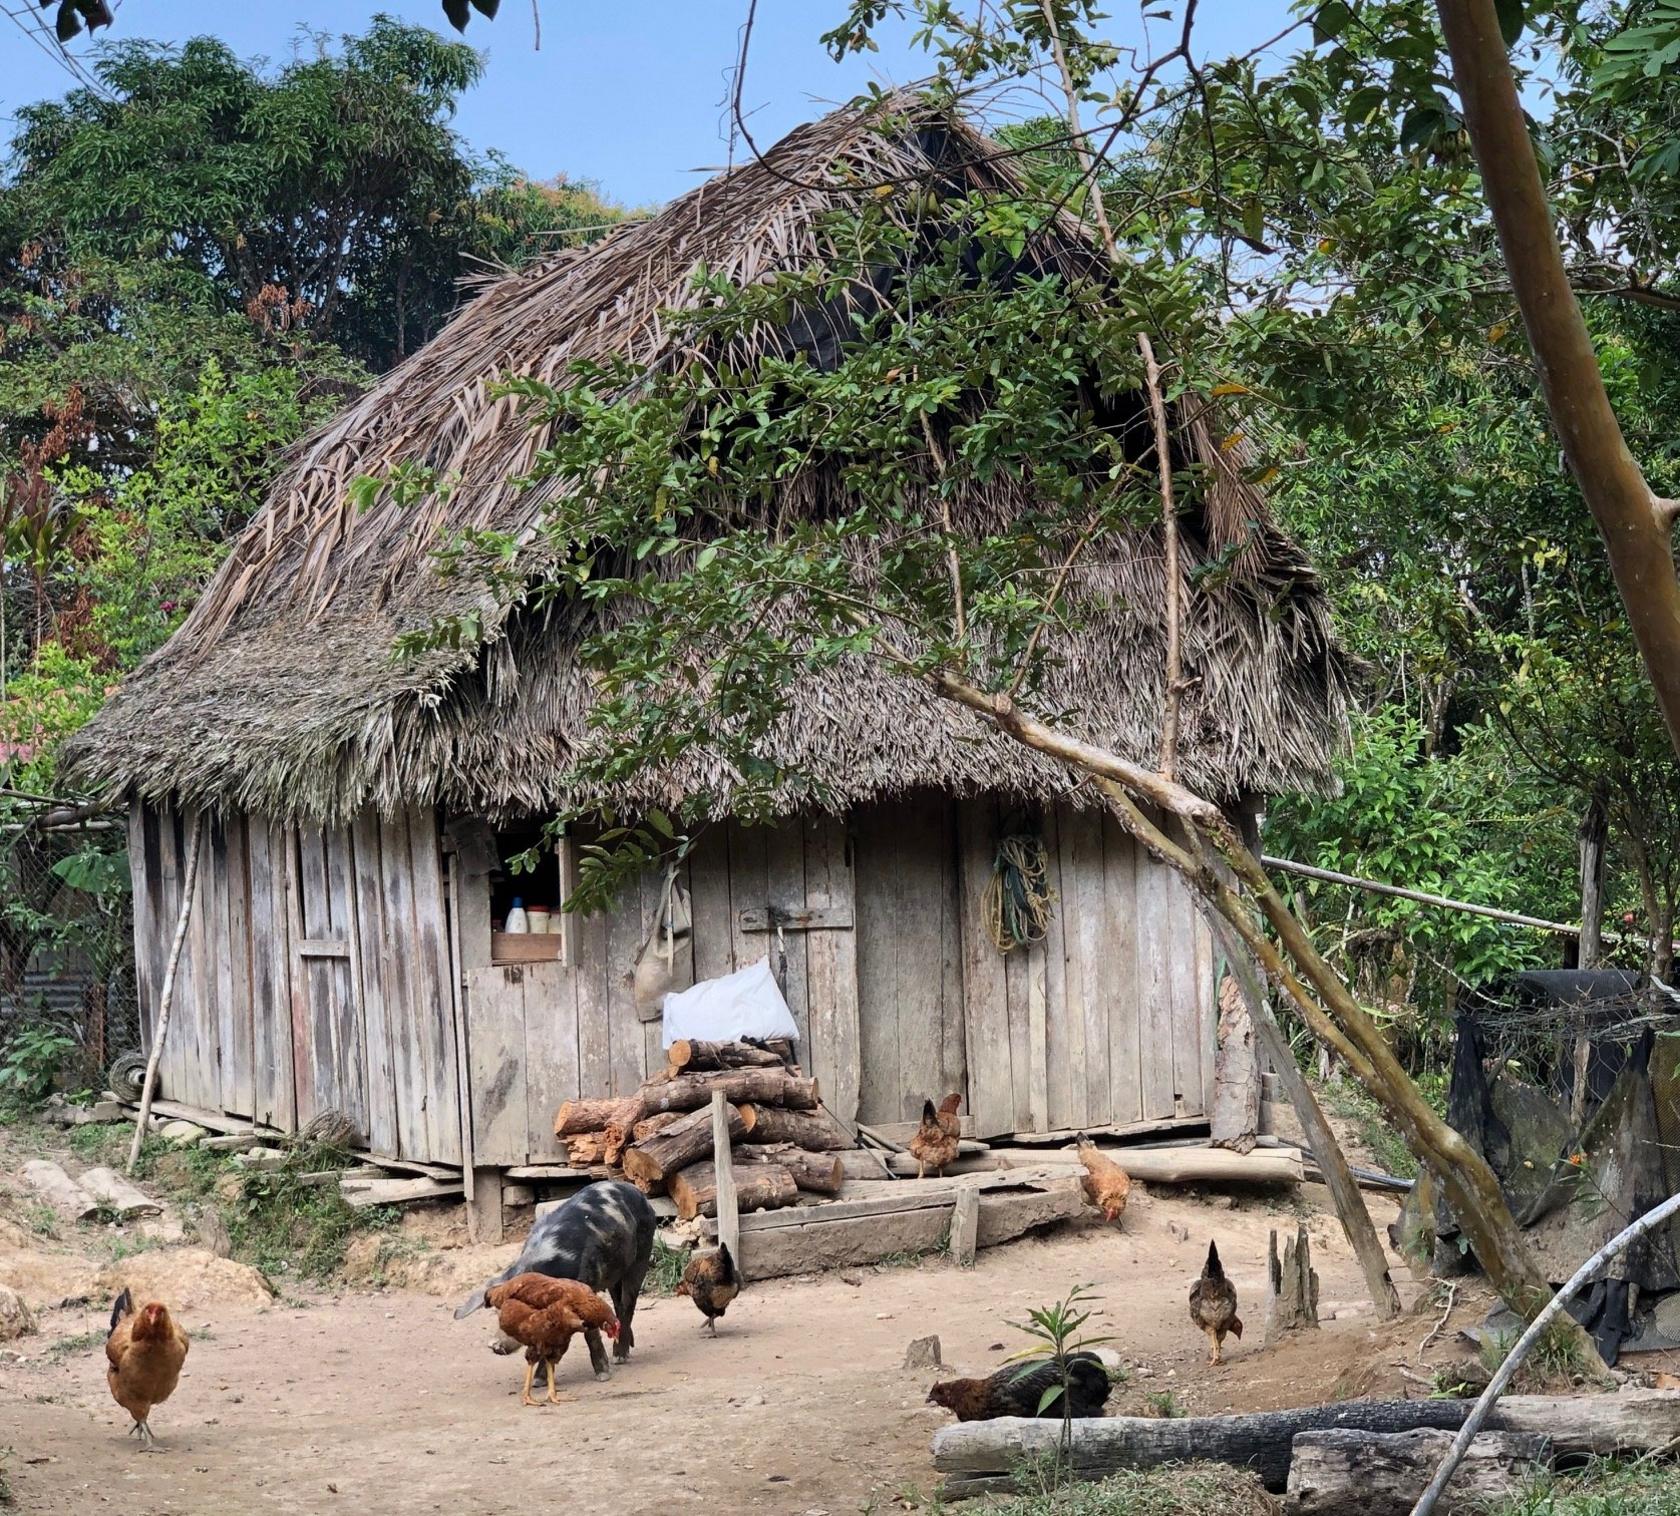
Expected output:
(30, 1062)
(1605, 1488)
(665, 1271)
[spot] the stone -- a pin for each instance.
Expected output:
(923, 1353)
(183, 1134)
(16, 1319)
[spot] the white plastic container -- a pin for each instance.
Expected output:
(541, 919)
(517, 920)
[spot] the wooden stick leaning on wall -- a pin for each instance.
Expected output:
(166, 998)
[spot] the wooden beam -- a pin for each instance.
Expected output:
(728, 1218)
(813, 918)
(965, 1227)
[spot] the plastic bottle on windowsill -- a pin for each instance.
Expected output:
(517, 920)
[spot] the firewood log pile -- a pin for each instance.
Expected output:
(782, 1142)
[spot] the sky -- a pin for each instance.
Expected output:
(627, 94)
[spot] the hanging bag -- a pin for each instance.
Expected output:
(664, 963)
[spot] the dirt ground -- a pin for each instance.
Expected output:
(378, 1400)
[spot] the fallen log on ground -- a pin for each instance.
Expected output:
(1383, 1473)
(1164, 1165)
(694, 1057)
(759, 1187)
(979, 1457)
(816, 1173)
(679, 1145)
(115, 1193)
(810, 1130)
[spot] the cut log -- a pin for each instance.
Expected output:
(694, 1057)
(586, 1149)
(979, 1457)
(1292, 1287)
(815, 1173)
(579, 1116)
(688, 1092)
(59, 1190)
(1264, 1165)
(652, 1126)
(115, 1193)
(760, 1187)
(682, 1143)
(806, 1239)
(1383, 1473)
(811, 1130)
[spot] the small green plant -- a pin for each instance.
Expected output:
(31, 1064)
(1162, 1405)
(1555, 1360)
(1056, 1331)
(80, 1343)
(665, 1270)
(41, 1219)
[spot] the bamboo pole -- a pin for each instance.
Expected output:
(166, 999)
(1553, 1308)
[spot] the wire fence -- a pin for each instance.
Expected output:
(67, 943)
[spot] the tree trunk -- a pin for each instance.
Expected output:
(687, 1055)
(1235, 1119)
(813, 1132)
(1291, 1287)
(679, 1145)
(688, 1092)
(758, 1187)
(1383, 1473)
(815, 1173)
(1636, 529)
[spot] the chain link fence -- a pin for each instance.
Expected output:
(67, 943)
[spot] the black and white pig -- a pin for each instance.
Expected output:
(602, 1237)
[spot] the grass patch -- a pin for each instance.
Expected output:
(80, 1343)
(1553, 1363)
(1192, 1489)
(1373, 1127)
(1162, 1405)
(665, 1269)
(40, 1218)
(99, 1142)
(1601, 1489)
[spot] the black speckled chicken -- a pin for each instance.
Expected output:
(1213, 1304)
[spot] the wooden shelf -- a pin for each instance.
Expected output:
(526, 947)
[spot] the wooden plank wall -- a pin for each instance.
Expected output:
(315, 974)
(1108, 1021)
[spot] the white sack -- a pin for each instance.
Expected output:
(747, 1003)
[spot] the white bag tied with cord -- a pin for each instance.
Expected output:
(747, 1003)
(663, 963)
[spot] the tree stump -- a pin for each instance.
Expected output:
(1292, 1286)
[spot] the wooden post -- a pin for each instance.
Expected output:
(1592, 837)
(484, 1204)
(965, 1227)
(1332, 1162)
(728, 1218)
(1291, 1287)
(166, 1000)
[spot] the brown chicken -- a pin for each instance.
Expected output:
(1213, 1304)
(1107, 1185)
(711, 1282)
(543, 1315)
(145, 1351)
(950, 1123)
(933, 1146)
(1018, 1390)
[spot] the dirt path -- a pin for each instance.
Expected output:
(380, 1401)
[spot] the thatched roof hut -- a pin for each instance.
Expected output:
(345, 952)
(281, 694)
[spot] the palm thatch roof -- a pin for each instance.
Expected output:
(281, 695)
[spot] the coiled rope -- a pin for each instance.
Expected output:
(1019, 899)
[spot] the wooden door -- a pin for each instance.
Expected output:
(329, 1049)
